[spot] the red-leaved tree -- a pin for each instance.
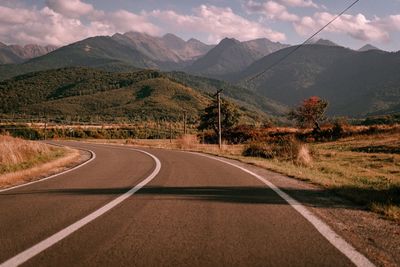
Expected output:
(310, 112)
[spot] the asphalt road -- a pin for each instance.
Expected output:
(197, 211)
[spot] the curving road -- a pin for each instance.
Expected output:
(191, 211)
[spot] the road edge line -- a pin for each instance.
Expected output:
(55, 238)
(325, 230)
(92, 157)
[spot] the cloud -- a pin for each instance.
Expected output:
(216, 23)
(63, 22)
(123, 21)
(300, 3)
(356, 26)
(392, 22)
(70, 8)
(271, 10)
(9, 15)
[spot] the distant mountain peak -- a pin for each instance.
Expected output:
(171, 35)
(194, 40)
(262, 40)
(367, 47)
(325, 42)
(229, 41)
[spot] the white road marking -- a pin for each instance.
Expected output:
(338, 242)
(93, 156)
(48, 242)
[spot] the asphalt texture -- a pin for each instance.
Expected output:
(196, 212)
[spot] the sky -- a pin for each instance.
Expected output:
(60, 22)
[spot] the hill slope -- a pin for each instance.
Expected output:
(7, 55)
(237, 94)
(355, 83)
(151, 47)
(90, 92)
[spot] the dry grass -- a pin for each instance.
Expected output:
(14, 152)
(188, 141)
(23, 161)
(352, 168)
(304, 156)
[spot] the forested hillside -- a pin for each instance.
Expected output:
(145, 95)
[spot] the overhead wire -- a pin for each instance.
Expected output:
(302, 44)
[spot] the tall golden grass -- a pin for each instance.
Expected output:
(24, 161)
(15, 151)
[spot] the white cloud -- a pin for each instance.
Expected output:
(62, 22)
(300, 3)
(392, 22)
(271, 10)
(123, 21)
(70, 8)
(216, 23)
(358, 26)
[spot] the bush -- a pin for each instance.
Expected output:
(21, 131)
(286, 148)
(239, 134)
(283, 148)
(259, 150)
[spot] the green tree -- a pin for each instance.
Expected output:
(310, 113)
(229, 118)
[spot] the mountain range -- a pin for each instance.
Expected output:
(356, 83)
(231, 56)
(139, 50)
(13, 54)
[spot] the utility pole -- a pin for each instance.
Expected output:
(184, 122)
(218, 94)
(170, 132)
(45, 129)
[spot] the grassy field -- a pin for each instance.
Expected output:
(364, 169)
(23, 161)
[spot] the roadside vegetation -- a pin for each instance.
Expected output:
(23, 161)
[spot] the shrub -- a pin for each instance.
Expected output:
(239, 134)
(286, 148)
(22, 131)
(283, 148)
(259, 150)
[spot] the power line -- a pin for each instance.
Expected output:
(302, 44)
